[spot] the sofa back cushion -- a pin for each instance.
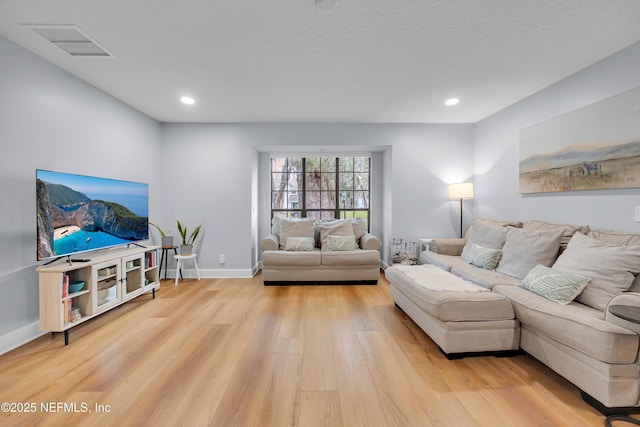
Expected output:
(525, 249)
(610, 267)
(616, 237)
(515, 224)
(569, 229)
(485, 235)
(339, 227)
(294, 228)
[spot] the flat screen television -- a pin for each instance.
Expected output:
(78, 213)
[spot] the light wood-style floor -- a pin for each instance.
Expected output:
(231, 352)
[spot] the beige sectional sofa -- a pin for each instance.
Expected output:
(304, 251)
(560, 279)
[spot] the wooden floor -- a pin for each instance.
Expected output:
(231, 352)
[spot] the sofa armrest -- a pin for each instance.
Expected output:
(371, 242)
(626, 298)
(270, 243)
(447, 246)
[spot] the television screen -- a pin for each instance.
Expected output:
(77, 213)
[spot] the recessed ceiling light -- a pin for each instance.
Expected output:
(188, 100)
(451, 101)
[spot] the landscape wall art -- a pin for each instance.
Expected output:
(594, 147)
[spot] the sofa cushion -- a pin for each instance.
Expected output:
(575, 325)
(482, 277)
(347, 258)
(288, 258)
(569, 229)
(341, 243)
(339, 227)
(445, 262)
(554, 285)
(611, 268)
(524, 249)
(294, 228)
(467, 304)
(300, 243)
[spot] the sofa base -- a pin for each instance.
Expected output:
(605, 410)
(282, 274)
(318, 283)
(459, 338)
(612, 385)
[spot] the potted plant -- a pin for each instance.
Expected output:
(186, 247)
(167, 241)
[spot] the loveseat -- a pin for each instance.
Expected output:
(306, 251)
(561, 279)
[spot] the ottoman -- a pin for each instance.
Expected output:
(457, 315)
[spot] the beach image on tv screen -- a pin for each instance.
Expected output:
(77, 213)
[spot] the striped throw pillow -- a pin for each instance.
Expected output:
(483, 257)
(554, 285)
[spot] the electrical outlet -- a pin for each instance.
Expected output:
(636, 217)
(221, 259)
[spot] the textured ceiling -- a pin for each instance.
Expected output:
(369, 61)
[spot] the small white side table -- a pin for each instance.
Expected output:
(180, 265)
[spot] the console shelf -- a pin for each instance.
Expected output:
(110, 278)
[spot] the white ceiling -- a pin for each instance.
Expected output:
(369, 61)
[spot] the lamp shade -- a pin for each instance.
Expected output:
(461, 191)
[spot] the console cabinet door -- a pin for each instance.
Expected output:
(133, 276)
(106, 285)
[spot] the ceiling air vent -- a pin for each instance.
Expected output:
(70, 39)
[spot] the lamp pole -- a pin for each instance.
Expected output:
(460, 217)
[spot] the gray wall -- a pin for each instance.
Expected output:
(413, 162)
(497, 155)
(51, 120)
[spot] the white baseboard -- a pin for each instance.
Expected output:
(16, 338)
(219, 273)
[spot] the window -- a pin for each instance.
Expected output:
(320, 187)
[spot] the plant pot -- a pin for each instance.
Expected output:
(167, 242)
(186, 249)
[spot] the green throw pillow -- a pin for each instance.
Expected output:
(341, 243)
(300, 244)
(554, 285)
(483, 257)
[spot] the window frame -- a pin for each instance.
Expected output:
(336, 212)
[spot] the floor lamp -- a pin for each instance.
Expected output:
(458, 192)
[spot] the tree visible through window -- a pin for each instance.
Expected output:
(320, 187)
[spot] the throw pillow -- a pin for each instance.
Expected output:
(611, 268)
(524, 249)
(336, 228)
(554, 285)
(300, 243)
(484, 234)
(294, 228)
(482, 257)
(341, 243)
